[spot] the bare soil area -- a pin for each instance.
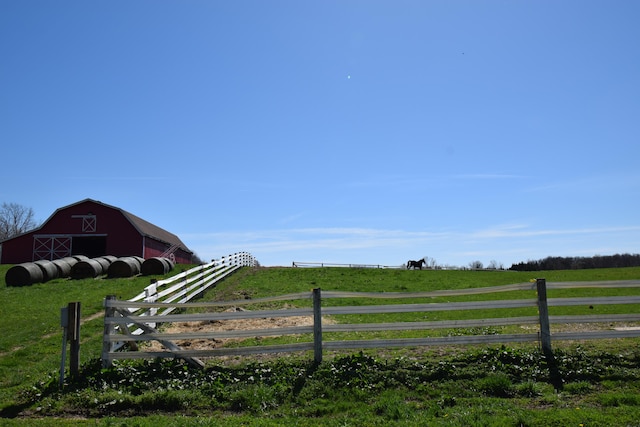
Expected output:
(228, 325)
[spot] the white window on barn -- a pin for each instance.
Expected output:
(88, 222)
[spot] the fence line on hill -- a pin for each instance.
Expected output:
(330, 264)
(302, 264)
(121, 313)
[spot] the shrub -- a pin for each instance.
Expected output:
(529, 389)
(577, 388)
(496, 385)
(392, 406)
(254, 399)
(620, 399)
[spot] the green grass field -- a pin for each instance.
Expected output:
(444, 386)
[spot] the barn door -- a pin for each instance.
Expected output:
(91, 246)
(51, 247)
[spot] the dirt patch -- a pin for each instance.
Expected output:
(228, 325)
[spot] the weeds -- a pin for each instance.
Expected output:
(395, 390)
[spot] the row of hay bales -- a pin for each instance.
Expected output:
(132, 266)
(83, 267)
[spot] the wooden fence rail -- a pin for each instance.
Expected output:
(121, 314)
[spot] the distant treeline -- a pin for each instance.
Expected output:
(576, 263)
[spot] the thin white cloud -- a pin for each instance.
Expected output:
(291, 218)
(286, 239)
(515, 230)
(119, 178)
(591, 183)
(506, 243)
(314, 234)
(488, 176)
(310, 239)
(402, 181)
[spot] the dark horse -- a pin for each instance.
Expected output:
(416, 264)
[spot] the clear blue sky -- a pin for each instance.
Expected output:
(333, 131)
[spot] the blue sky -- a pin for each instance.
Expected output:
(334, 131)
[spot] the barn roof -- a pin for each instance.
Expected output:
(148, 229)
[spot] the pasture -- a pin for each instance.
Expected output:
(442, 386)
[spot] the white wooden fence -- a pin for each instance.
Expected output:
(302, 264)
(178, 289)
(120, 313)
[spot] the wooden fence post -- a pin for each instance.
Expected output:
(151, 295)
(185, 287)
(317, 326)
(109, 329)
(543, 312)
(545, 334)
(74, 338)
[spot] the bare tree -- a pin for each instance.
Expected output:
(476, 265)
(495, 265)
(15, 219)
(431, 262)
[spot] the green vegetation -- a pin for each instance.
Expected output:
(31, 339)
(501, 385)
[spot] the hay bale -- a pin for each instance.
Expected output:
(124, 267)
(109, 258)
(104, 262)
(86, 269)
(156, 266)
(64, 267)
(24, 274)
(69, 260)
(49, 269)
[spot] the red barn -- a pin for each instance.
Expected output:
(93, 229)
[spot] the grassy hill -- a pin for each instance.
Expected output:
(463, 386)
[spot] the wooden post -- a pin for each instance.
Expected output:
(543, 312)
(74, 337)
(185, 287)
(109, 330)
(151, 295)
(317, 326)
(545, 335)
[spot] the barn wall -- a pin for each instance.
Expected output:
(17, 250)
(183, 257)
(155, 248)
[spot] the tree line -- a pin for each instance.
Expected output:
(577, 263)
